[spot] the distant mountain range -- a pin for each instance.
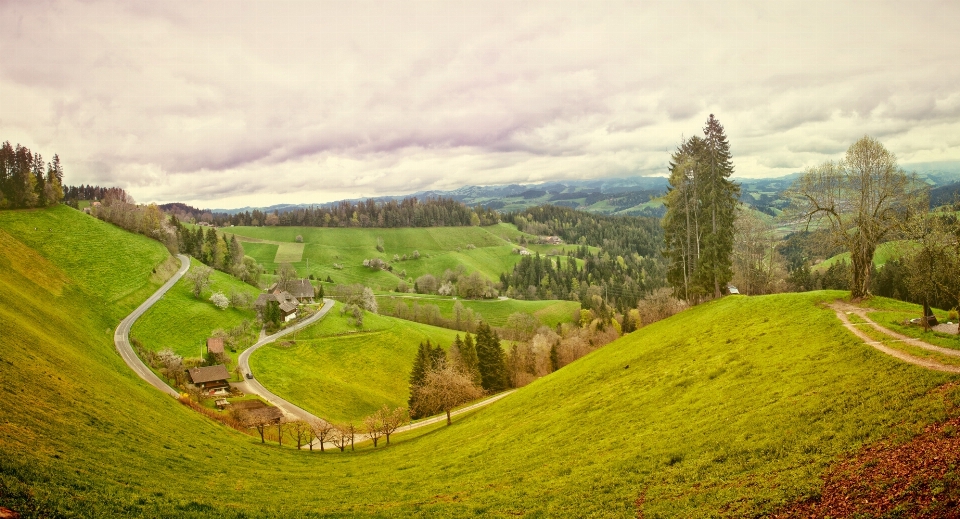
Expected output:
(634, 196)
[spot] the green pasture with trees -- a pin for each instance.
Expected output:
(182, 322)
(339, 372)
(766, 389)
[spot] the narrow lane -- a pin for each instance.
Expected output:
(121, 337)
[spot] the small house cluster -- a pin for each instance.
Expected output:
(298, 291)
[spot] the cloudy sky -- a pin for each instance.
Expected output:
(226, 104)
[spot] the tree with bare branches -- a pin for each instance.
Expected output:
(863, 199)
(373, 428)
(301, 430)
(323, 431)
(444, 387)
(392, 420)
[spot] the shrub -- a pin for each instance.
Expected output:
(220, 300)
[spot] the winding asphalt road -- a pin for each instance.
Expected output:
(121, 337)
(254, 386)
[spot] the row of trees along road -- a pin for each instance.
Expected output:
(701, 209)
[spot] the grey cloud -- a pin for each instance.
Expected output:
(224, 102)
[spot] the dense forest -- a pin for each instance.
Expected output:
(627, 266)
(26, 180)
(409, 212)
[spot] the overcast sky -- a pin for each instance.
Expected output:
(226, 104)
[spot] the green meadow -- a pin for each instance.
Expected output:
(493, 311)
(734, 408)
(183, 323)
(340, 373)
(890, 250)
(487, 250)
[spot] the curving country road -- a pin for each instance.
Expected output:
(254, 386)
(121, 337)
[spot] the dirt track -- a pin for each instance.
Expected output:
(843, 309)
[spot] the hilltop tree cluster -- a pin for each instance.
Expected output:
(622, 281)
(440, 381)
(215, 250)
(701, 209)
(26, 180)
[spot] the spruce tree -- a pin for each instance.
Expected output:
(720, 205)
(422, 363)
(701, 208)
(490, 360)
(468, 355)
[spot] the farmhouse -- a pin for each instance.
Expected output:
(288, 303)
(210, 377)
(552, 240)
(215, 346)
(302, 289)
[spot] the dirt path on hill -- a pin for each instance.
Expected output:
(844, 309)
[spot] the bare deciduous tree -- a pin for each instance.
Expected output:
(863, 199)
(324, 431)
(302, 431)
(444, 387)
(392, 420)
(373, 427)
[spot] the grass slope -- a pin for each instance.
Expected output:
(887, 251)
(340, 374)
(730, 409)
(440, 248)
(493, 311)
(183, 323)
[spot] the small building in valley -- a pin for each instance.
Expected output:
(210, 377)
(288, 303)
(302, 289)
(215, 346)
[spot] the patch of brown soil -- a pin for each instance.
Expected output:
(920, 478)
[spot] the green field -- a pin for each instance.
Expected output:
(890, 250)
(183, 323)
(493, 311)
(477, 249)
(338, 373)
(733, 408)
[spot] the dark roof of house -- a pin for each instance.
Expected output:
(301, 288)
(215, 345)
(288, 303)
(266, 414)
(208, 374)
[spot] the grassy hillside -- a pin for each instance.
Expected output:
(730, 409)
(493, 311)
(87, 252)
(481, 249)
(338, 373)
(890, 250)
(183, 323)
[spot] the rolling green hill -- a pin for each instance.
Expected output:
(733, 408)
(481, 249)
(183, 323)
(494, 311)
(887, 251)
(339, 373)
